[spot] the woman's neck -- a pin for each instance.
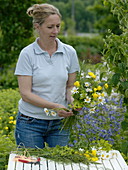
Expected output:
(50, 47)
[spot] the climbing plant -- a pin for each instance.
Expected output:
(116, 55)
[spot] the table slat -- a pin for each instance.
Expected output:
(68, 166)
(107, 164)
(11, 163)
(27, 166)
(51, 165)
(115, 164)
(121, 161)
(59, 166)
(76, 166)
(19, 166)
(90, 167)
(43, 164)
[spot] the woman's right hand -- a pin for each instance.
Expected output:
(63, 111)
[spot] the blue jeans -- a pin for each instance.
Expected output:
(32, 133)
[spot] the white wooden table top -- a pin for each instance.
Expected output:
(116, 163)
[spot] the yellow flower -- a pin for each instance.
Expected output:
(11, 121)
(11, 117)
(102, 94)
(95, 159)
(14, 122)
(106, 85)
(99, 88)
(95, 89)
(95, 95)
(0, 118)
(77, 84)
(92, 74)
(6, 128)
(14, 112)
(94, 152)
(87, 155)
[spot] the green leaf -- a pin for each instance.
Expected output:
(124, 85)
(115, 79)
(124, 125)
(121, 67)
(124, 147)
(126, 93)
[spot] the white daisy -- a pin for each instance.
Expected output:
(74, 90)
(87, 100)
(87, 84)
(92, 110)
(101, 99)
(46, 111)
(53, 113)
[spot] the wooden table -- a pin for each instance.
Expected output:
(115, 163)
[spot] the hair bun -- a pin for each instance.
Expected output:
(30, 11)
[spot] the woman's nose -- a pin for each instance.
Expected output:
(56, 30)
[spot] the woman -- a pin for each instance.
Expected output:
(46, 71)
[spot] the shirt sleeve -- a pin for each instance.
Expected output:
(23, 66)
(74, 63)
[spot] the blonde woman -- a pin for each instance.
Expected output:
(46, 71)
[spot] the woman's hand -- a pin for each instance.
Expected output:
(63, 111)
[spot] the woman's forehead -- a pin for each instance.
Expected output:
(52, 19)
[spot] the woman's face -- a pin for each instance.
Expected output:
(50, 28)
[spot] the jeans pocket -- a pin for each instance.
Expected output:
(24, 119)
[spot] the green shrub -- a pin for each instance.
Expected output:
(6, 146)
(8, 109)
(7, 78)
(88, 49)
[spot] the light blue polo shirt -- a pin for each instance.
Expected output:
(49, 75)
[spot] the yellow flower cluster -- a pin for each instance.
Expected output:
(92, 156)
(12, 121)
(91, 74)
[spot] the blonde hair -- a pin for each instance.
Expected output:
(39, 12)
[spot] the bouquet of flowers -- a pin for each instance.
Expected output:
(88, 91)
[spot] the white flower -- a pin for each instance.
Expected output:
(87, 76)
(74, 90)
(87, 100)
(80, 149)
(88, 90)
(101, 99)
(104, 78)
(53, 113)
(92, 110)
(87, 84)
(82, 75)
(46, 111)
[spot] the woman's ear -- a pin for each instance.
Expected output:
(36, 26)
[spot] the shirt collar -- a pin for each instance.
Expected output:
(39, 50)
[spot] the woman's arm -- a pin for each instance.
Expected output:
(70, 85)
(25, 87)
